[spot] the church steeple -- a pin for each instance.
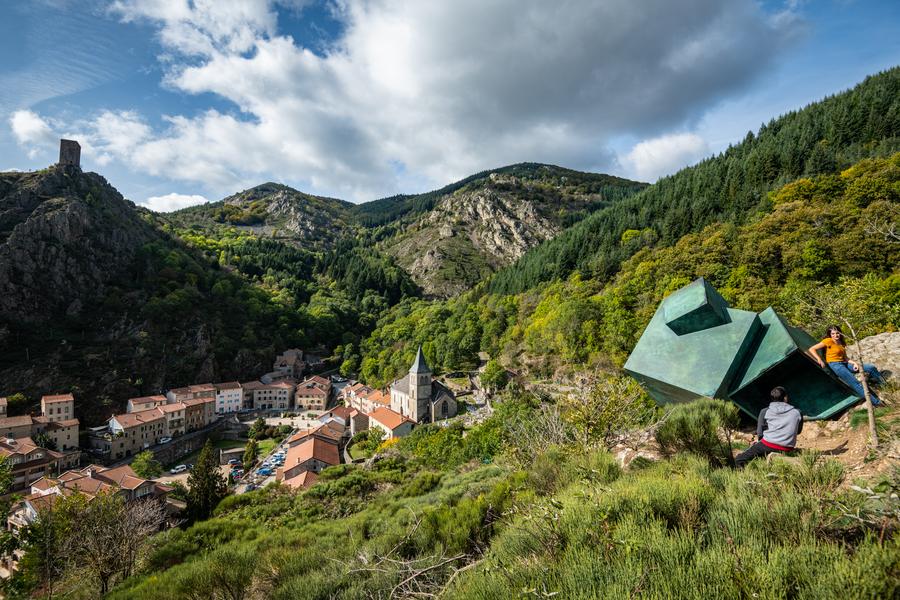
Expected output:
(419, 366)
(419, 388)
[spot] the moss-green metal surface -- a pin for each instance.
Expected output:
(695, 345)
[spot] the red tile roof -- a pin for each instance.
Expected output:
(9, 422)
(341, 412)
(58, 398)
(228, 385)
(313, 448)
(304, 480)
(389, 418)
(158, 399)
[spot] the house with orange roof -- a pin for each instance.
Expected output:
(145, 403)
(193, 414)
(56, 420)
(28, 461)
(274, 396)
(132, 432)
(59, 407)
(313, 454)
(89, 481)
(359, 421)
(341, 414)
(175, 418)
(303, 481)
(313, 393)
(392, 423)
(332, 432)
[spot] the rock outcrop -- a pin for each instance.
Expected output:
(488, 224)
(63, 236)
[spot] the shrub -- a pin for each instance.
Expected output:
(703, 427)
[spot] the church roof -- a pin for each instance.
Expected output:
(419, 365)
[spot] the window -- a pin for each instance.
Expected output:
(445, 409)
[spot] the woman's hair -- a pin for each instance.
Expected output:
(832, 328)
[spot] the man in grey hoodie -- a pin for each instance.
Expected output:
(776, 428)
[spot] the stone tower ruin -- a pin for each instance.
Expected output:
(69, 153)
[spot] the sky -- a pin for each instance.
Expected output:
(178, 102)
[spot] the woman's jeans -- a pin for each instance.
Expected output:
(845, 374)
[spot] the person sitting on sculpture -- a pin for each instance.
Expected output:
(776, 428)
(846, 369)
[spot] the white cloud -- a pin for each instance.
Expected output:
(172, 201)
(32, 132)
(435, 91)
(654, 158)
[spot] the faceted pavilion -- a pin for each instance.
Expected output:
(696, 345)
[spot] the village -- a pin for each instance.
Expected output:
(318, 416)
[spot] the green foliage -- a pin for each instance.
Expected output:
(250, 453)
(607, 409)
(367, 441)
(809, 247)
(257, 429)
(703, 427)
(146, 465)
(494, 375)
(206, 485)
(43, 440)
(16, 403)
(833, 133)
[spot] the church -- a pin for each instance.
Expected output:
(417, 397)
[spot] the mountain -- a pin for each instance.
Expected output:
(476, 228)
(792, 210)
(447, 240)
(96, 298)
(273, 210)
(825, 136)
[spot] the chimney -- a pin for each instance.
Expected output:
(69, 153)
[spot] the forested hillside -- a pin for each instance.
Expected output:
(828, 232)
(824, 137)
(100, 301)
(492, 220)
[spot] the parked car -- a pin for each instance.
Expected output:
(265, 472)
(165, 440)
(178, 469)
(234, 461)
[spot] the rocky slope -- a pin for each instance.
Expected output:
(492, 221)
(274, 210)
(96, 299)
(63, 236)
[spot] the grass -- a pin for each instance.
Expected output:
(266, 446)
(356, 453)
(218, 445)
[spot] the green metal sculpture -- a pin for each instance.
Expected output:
(696, 345)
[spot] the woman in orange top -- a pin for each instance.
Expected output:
(844, 368)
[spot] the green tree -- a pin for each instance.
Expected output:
(146, 465)
(250, 454)
(494, 376)
(16, 403)
(257, 429)
(43, 440)
(206, 485)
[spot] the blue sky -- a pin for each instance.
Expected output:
(182, 101)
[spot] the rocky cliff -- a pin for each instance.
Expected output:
(274, 210)
(63, 236)
(97, 299)
(492, 221)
